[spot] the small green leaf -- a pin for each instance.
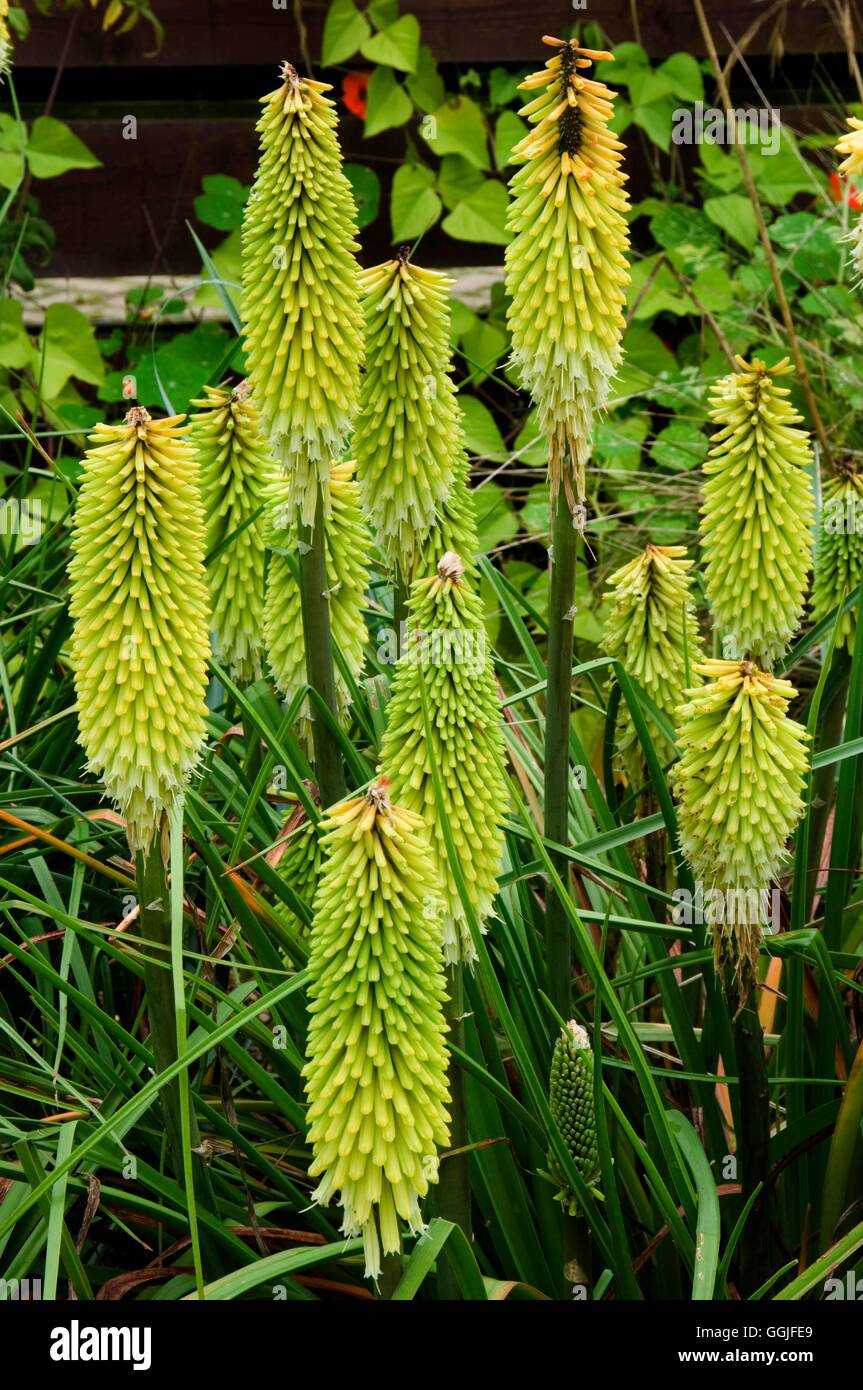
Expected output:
(387, 103)
(509, 129)
(414, 205)
(483, 346)
(53, 149)
(481, 435)
(531, 445)
(629, 61)
(457, 179)
(366, 188)
(681, 70)
(345, 29)
(482, 216)
(681, 445)
(16, 349)
(68, 348)
(222, 202)
(426, 84)
(496, 520)
(733, 213)
(397, 46)
(383, 12)
(458, 127)
(655, 119)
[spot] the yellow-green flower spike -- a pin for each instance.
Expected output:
(739, 784)
(301, 312)
(376, 1074)
(347, 546)
(839, 550)
(408, 434)
(5, 39)
(447, 656)
(454, 528)
(570, 1099)
(851, 145)
(756, 514)
(140, 615)
(566, 267)
(236, 467)
(653, 632)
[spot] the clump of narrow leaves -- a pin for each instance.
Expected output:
(376, 1074)
(739, 784)
(566, 266)
(301, 311)
(347, 546)
(851, 145)
(652, 631)
(236, 468)
(839, 551)
(140, 615)
(445, 713)
(756, 516)
(408, 434)
(571, 1102)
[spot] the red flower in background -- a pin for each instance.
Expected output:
(841, 191)
(354, 88)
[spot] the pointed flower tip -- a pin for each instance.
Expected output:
(138, 416)
(378, 795)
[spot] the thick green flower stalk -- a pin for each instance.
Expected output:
(571, 1101)
(408, 434)
(140, 615)
(236, 467)
(839, 550)
(739, 784)
(347, 547)
(756, 514)
(851, 145)
(653, 632)
(376, 1070)
(566, 267)
(301, 312)
(447, 657)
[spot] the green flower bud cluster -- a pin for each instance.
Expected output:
(839, 550)
(571, 1101)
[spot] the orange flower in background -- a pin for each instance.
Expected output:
(354, 88)
(841, 192)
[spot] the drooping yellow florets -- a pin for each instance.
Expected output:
(376, 1074)
(140, 615)
(567, 271)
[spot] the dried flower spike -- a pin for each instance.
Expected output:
(301, 312)
(756, 515)
(140, 615)
(571, 1102)
(376, 1074)
(567, 271)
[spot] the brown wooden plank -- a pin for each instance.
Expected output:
(255, 32)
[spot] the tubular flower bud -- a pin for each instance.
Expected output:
(839, 551)
(347, 544)
(652, 631)
(408, 434)
(739, 786)
(301, 310)
(756, 514)
(376, 1074)
(235, 469)
(447, 658)
(140, 616)
(571, 1102)
(851, 145)
(567, 271)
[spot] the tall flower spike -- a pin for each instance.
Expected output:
(839, 550)
(739, 784)
(236, 467)
(408, 434)
(347, 545)
(447, 655)
(851, 145)
(301, 310)
(756, 514)
(140, 615)
(376, 1074)
(570, 1099)
(652, 631)
(566, 267)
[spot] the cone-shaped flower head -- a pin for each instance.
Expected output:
(652, 631)
(756, 515)
(571, 1102)
(851, 145)
(408, 435)
(301, 309)
(738, 783)
(376, 1074)
(140, 615)
(347, 546)
(236, 467)
(447, 659)
(839, 552)
(567, 271)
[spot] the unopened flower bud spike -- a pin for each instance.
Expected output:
(571, 1101)
(839, 549)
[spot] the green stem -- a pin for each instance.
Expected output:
(320, 669)
(823, 780)
(557, 720)
(845, 1156)
(454, 1182)
(753, 1147)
